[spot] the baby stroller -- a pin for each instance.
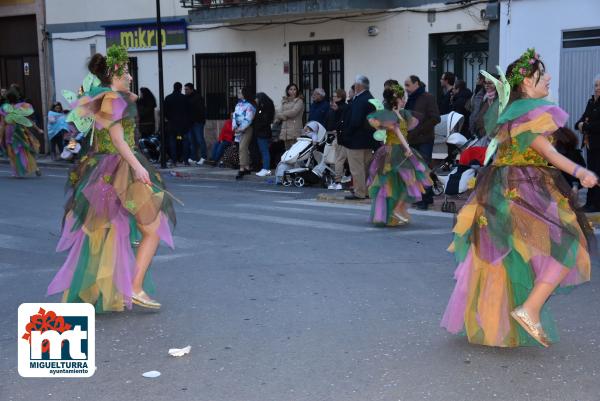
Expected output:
(150, 148)
(461, 177)
(448, 132)
(308, 160)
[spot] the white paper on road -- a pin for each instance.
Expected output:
(180, 351)
(151, 374)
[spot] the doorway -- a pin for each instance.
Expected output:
(317, 64)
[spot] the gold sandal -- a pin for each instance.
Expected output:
(142, 299)
(535, 330)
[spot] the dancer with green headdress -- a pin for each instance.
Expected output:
(519, 237)
(117, 198)
(16, 139)
(398, 175)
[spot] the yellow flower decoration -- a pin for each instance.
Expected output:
(73, 177)
(482, 221)
(471, 183)
(511, 194)
(83, 159)
(107, 178)
(92, 162)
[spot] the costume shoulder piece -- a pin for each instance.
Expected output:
(17, 113)
(525, 119)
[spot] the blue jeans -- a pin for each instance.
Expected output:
(263, 145)
(218, 150)
(196, 140)
(426, 151)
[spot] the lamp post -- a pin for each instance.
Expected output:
(161, 90)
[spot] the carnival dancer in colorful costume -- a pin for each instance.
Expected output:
(519, 236)
(116, 197)
(397, 175)
(16, 139)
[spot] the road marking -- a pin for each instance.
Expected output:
(282, 220)
(274, 191)
(54, 176)
(293, 209)
(311, 202)
(195, 186)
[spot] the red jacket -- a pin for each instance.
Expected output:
(226, 133)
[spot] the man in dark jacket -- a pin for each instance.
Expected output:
(358, 136)
(319, 108)
(423, 105)
(589, 126)
(195, 135)
(447, 82)
(177, 115)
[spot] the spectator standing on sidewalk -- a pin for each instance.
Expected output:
(177, 115)
(335, 121)
(195, 136)
(447, 82)
(319, 108)
(475, 104)
(358, 137)
(146, 107)
(243, 117)
(265, 113)
(589, 126)
(425, 109)
(290, 115)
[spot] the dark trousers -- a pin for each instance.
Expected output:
(183, 154)
(263, 145)
(593, 164)
(219, 149)
(426, 151)
(197, 143)
(57, 141)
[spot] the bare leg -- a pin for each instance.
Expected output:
(145, 253)
(540, 294)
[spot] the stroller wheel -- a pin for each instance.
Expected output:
(299, 182)
(327, 180)
(449, 207)
(437, 188)
(286, 181)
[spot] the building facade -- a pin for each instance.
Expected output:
(566, 34)
(23, 52)
(267, 45)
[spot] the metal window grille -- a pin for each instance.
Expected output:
(317, 64)
(220, 76)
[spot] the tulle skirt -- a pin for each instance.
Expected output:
(519, 227)
(102, 223)
(20, 147)
(393, 179)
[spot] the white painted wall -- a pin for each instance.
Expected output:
(538, 24)
(108, 10)
(400, 49)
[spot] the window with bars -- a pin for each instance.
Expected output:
(219, 76)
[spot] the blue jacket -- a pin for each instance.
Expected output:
(318, 112)
(357, 133)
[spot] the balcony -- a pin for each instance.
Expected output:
(214, 11)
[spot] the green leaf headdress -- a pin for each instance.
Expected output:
(516, 75)
(116, 60)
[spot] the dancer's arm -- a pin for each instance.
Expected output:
(116, 136)
(543, 147)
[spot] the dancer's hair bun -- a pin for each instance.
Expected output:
(98, 67)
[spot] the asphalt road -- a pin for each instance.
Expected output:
(283, 298)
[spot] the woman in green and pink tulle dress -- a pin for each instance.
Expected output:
(116, 199)
(519, 237)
